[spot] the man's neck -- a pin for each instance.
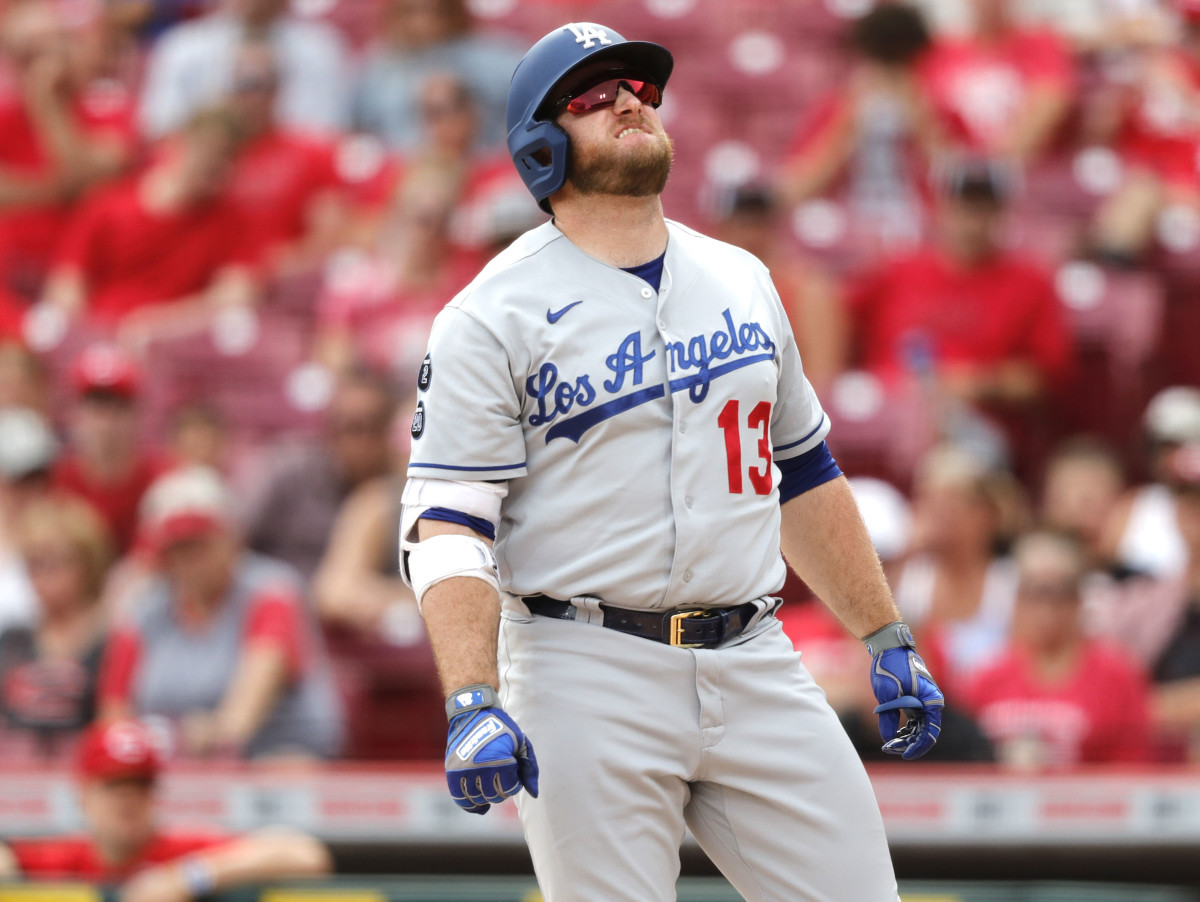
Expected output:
(162, 190)
(619, 231)
(117, 855)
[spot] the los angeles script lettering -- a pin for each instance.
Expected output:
(556, 395)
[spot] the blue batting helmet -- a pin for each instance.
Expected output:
(538, 146)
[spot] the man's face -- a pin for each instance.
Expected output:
(1048, 596)
(257, 12)
(619, 150)
(208, 156)
(750, 231)
(447, 115)
(119, 813)
(1078, 495)
(418, 23)
(255, 87)
(990, 15)
(359, 429)
(200, 565)
(970, 229)
(105, 427)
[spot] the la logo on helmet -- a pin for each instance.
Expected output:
(588, 34)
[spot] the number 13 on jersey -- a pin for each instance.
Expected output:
(759, 424)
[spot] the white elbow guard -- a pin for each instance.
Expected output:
(443, 557)
(474, 556)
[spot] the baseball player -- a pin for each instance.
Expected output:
(614, 440)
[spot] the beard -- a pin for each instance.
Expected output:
(597, 170)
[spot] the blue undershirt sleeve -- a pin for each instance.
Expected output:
(806, 471)
(446, 515)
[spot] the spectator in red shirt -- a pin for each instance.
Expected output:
(118, 770)
(162, 250)
(1004, 90)
(62, 131)
(284, 182)
(983, 322)
(108, 465)
(872, 140)
(220, 643)
(1048, 700)
(1149, 115)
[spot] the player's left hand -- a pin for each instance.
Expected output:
(488, 759)
(902, 682)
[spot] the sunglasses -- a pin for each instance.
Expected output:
(604, 94)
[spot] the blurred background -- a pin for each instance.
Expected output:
(225, 228)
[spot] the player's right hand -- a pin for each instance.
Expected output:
(902, 682)
(488, 759)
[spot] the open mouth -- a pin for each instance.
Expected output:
(629, 131)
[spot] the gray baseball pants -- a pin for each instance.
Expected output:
(636, 739)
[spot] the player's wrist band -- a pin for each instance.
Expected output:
(471, 698)
(198, 877)
(895, 635)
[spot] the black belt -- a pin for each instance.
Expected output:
(700, 628)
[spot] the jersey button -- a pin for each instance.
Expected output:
(647, 292)
(687, 576)
(683, 427)
(687, 502)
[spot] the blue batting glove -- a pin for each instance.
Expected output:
(488, 758)
(902, 682)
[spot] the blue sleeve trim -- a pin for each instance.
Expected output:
(465, 469)
(779, 448)
(806, 471)
(484, 527)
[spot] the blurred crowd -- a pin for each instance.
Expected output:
(226, 225)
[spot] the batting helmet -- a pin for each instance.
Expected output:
(539, 147)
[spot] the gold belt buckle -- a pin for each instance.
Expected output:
(677, 628)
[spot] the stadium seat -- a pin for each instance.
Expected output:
(241, 370)
(394, 703)
(880, 432)
(1117, 321)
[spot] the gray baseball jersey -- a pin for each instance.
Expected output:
(638, 430)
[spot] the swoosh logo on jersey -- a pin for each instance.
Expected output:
(554, 317)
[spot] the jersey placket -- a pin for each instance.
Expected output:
(679, 582)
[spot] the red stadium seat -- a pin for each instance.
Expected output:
(879, 432)
(1117, 320)
(241, 370)
(394, 704)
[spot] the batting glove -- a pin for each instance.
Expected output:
(488, 758)
(902, 682)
